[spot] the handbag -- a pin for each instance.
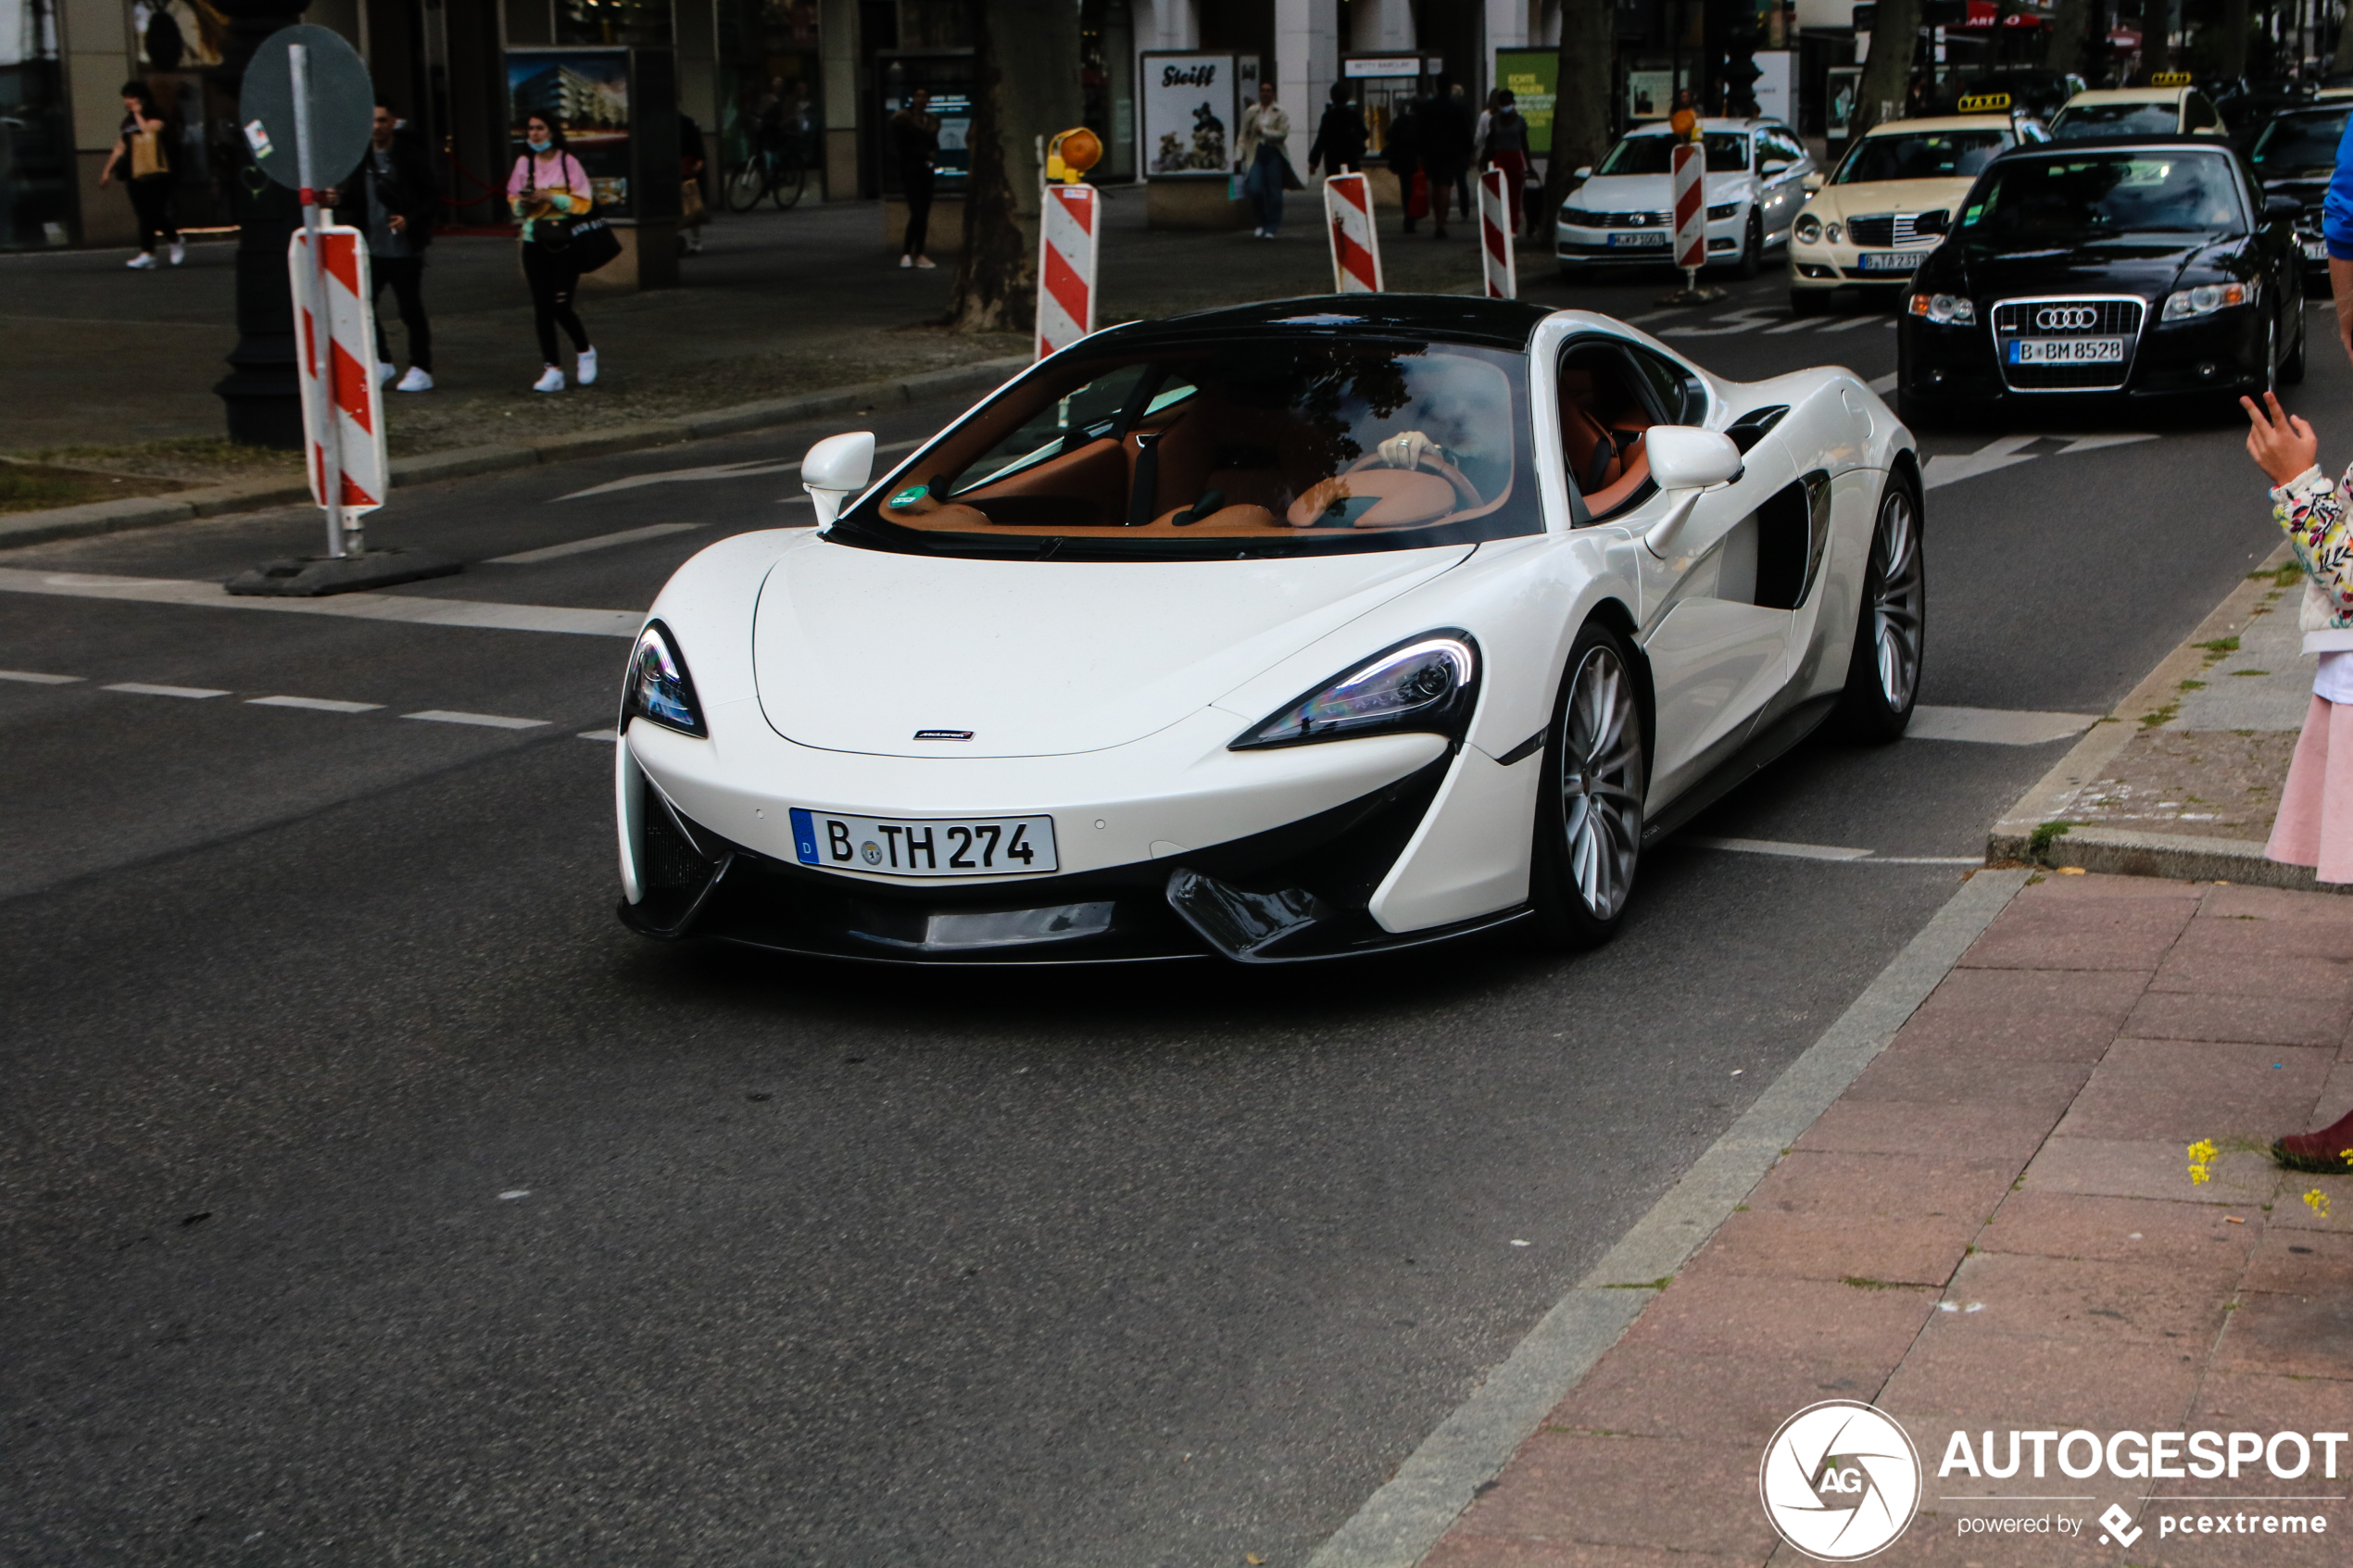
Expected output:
(148, 160)
(585, 241)
(1418, 204)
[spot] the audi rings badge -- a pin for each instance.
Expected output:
(2066, 319)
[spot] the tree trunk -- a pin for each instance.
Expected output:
(2063, 40)
(1024, 86)
(2343, 59)
(2233, 55)
(1580, 100)
(1887, 75)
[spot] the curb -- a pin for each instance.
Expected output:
(2129, 852)
(1400, 1524)
(109, 517)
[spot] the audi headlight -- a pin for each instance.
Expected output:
(656, 687)
(1809, 228)
(1718, 214)
(1426, 683)
(2204, 300)
(1945, 310)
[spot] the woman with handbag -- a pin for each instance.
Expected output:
(143, 156)
(548, 190)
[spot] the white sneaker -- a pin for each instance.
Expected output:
(142, 262)
(179, 252)
(385, 372)
(419, 379)
(586, 371)
(925, 263)
(905, 262)
(551, 380)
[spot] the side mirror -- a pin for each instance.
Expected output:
(1778, 165)
(1686, 461)
(1934, 221)
(836, 469)
(1811, 183)
(1583, 171)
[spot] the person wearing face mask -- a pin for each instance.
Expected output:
(548, 186)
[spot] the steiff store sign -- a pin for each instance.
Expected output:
(1193, 112)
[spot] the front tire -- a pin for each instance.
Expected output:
(2292, 373)
(1588, 813)
(1891, 625)
(1752, 259)
(745, 185)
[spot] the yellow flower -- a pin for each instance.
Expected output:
(2198, 1175)
(2202, 1152)
(2316, 1201)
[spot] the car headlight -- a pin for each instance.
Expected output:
(656, 687)
(1428, 683)
(1578, 218)
(1809, 228)
(1945, 310)
(1834, 233)
(1718, 214)
(2204, 300)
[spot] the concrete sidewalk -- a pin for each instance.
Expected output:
(1995, 1227)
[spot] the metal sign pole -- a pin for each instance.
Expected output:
(318, 349)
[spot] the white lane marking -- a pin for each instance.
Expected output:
(606, 736)
(318, 703)
(38, 680)
(2093, 443)
(141, 688)
(582, 547)
(2008, 451)
(488, 721)
(1826, 852)
(1798, 325)
(1724, 325)
(1995, 726)
(1851, 322)
(358, 606)
(745, 470)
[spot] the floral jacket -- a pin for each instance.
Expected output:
(2312, 508)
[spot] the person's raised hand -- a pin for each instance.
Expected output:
(2281, 443)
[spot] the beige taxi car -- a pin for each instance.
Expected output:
(1857, 230)
(2168, 106)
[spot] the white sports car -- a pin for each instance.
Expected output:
(1287, 631)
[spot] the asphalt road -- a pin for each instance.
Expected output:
(367, 1194)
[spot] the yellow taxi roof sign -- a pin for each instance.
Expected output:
(1983, 103)
(2169, 79)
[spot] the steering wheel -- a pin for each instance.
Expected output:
(1413, 449)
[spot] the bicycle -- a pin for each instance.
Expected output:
(774, 169)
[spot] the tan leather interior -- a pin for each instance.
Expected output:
(1603, 422)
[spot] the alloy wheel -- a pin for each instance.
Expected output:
(1601, 782)
(1897, 600)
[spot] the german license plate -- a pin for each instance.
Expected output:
(1630, 241)
(2315, 249)
(925, 847)
(2067, 351)
(1889, 260)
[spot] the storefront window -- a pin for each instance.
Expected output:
(768, 76)
(37, 142)
(642, 23)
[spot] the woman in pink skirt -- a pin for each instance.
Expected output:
(2315, 825)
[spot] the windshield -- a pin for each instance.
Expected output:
(2069, 201)
(1276, 445)
(2116, 119)
(1727, 154)
(2301, 144)
(1947, 155)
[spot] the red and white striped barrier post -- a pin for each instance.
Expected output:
(1497, 262)
(1348, 207)
(1066, 248)
(342, 417)
(1688, 181)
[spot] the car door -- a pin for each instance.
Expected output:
(1783, 188)
(1716, 656)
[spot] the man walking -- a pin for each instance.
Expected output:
(396, 202)
(915, 140)
(1265, 159)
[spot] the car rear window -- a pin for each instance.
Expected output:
(1272, 445)
(2116, 119)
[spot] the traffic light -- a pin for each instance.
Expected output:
(1741, 71)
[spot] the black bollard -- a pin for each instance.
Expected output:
(261, 394)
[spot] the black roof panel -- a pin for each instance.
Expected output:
(1500, 324)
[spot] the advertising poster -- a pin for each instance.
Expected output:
(1191, 115)
(1649, 95)
(587, 90)
(1531, 76)
(1776, 84)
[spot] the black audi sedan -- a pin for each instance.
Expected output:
(2125, 268)
(2294, 155)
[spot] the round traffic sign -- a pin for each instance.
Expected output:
(342, 107)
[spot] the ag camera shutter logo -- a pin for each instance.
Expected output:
(1840, 1481)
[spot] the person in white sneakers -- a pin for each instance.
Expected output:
(394, 199)
(915, 140)
(548, 182)
(141, 156)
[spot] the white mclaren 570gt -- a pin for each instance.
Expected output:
(1288, 631)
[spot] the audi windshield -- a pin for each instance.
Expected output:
(2058, 202)
(1727, 154)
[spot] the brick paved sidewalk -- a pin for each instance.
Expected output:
(1994, 1228)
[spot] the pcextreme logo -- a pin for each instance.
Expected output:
(1840, 1481)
